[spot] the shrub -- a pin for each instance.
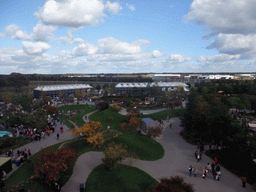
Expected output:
(154, 132)
(114, 154)
(102, 105)
(116, 108)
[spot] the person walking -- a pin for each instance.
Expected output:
(217, 169)
(204, 173)
(244, 180)
(58, 135)
(195, 171)
(190, 170)
(196, 153)
(198, 157)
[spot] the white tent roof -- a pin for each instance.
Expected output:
(63, 87)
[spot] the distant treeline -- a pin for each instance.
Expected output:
(98, 78)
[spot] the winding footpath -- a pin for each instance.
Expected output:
(36, 146)
(179, 155)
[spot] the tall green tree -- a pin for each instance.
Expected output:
(17, 81)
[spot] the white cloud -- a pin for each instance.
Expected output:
(141, 42)
(37, 48)
(113, 8)
(218, 58)
(72, 13)
(112, 45)
(11, 30)
(84, 49)
(156, 54)
(43, 32)
(119, 57)
(131, 7)
(2, 35)
(21, 35)
(177, 59)
(224, 16)
(235, 44)
(40, 32)
(70, 39)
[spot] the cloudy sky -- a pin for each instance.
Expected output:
(127, 36)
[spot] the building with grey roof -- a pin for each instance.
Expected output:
(54, 90)
(122, 88)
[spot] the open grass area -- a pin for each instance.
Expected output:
(124, 178)
(81, 109)
(103, 117)
(138, 144)
(144, 148)
(164, 114)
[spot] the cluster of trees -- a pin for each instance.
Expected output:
(15, 81)
(207, 118)
(229, 86)
(95, 78)
(50, 162)
(93, 133)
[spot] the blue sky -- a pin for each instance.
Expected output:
(127, 36)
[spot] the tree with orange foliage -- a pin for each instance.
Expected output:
(134, 123)
(51, 109)
(51, 161)
(93, 132)
(124, 126)
(154, 132)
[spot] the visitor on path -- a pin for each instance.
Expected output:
(196, 153)
(58, 135)
(215, 160)
(214, 174)
(213, 166)
(170, 125)
(217, 169)
(198, 157)
(204, 173)
(244, 180)
(209, 167)
(195, 171)
(190, 169)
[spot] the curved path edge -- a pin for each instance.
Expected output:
(179, 155)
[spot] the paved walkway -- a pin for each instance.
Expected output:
(35, 146)
(179, 155)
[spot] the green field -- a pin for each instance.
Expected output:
(124, 178)
(164, 114)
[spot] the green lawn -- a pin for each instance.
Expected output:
(164, 114)
(144, 148)
(82, 109)
(103, 116)
(140, 145)
(124, 178)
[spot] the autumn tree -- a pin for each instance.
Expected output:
(116, 107)
(154, 132)
(114, 154)
(51, 109)
(6, 96)
(17, 81)
(60, 94)
(83, 93)
(77, 94)
(93, 132)
(124, 126)
(134, 123)
(173, 184)
(50, 161)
